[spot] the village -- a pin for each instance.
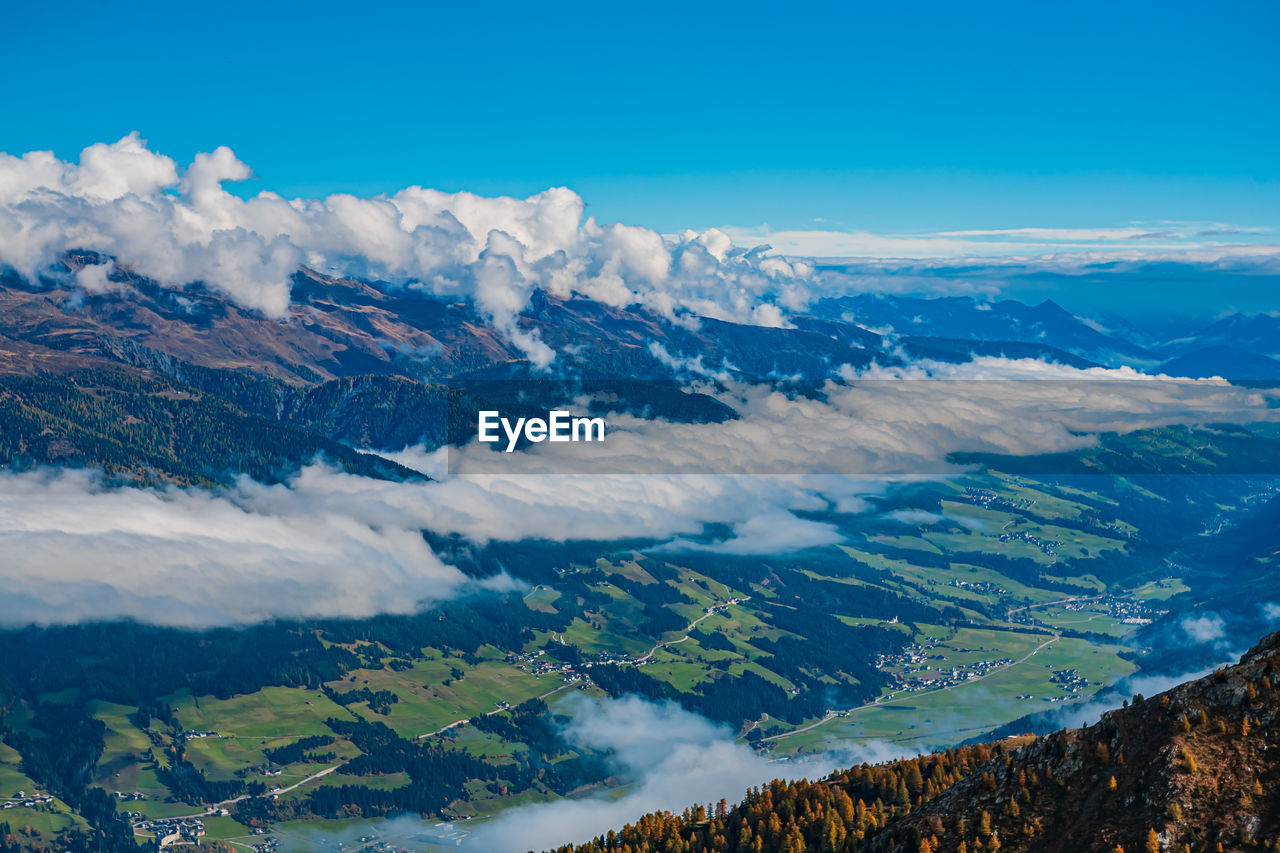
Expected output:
(1127, 611)
(539, 664)
(981, 587)
(21, 799)
(1047, 546)
(911, 669)
(169, 831)
(989, 500)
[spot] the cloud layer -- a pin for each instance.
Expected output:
(670, 758)
(75, 551)
(1190, 241)
(885, 422)
(335, 544)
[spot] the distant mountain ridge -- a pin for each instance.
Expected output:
(966, 318)
(1258, 333)
(340, 327)
(1226, 362)
(371, 365)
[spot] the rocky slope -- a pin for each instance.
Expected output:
(1196, 768)
(1192, 768)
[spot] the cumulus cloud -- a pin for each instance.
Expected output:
(1204, 629)
(669, 759)
(180, 226)
(95, 278)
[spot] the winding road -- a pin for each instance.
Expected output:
(717, 608)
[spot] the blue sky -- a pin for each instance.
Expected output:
(895, 117)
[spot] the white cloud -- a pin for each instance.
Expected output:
(331, 543)
(891, 422)
(94, 278)
(179, 226)
(777, 532)
(670, 758)
(1204, 629)
(1175, 241)
(76, 551)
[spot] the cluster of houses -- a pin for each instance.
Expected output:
(722, 606)
(172, 830)
(1048, 546)
(371, 845)
(130, 797)
(24, 800)
(912, 654)
(944, 676)
(990, 500)
(192, 735)
(981, 587)
(539, 664)
(1068, 680)
(1125, 610)
(914, 669)
(267, 845)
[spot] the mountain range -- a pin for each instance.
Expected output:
(339, 327)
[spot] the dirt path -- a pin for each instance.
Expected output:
(312, 777)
